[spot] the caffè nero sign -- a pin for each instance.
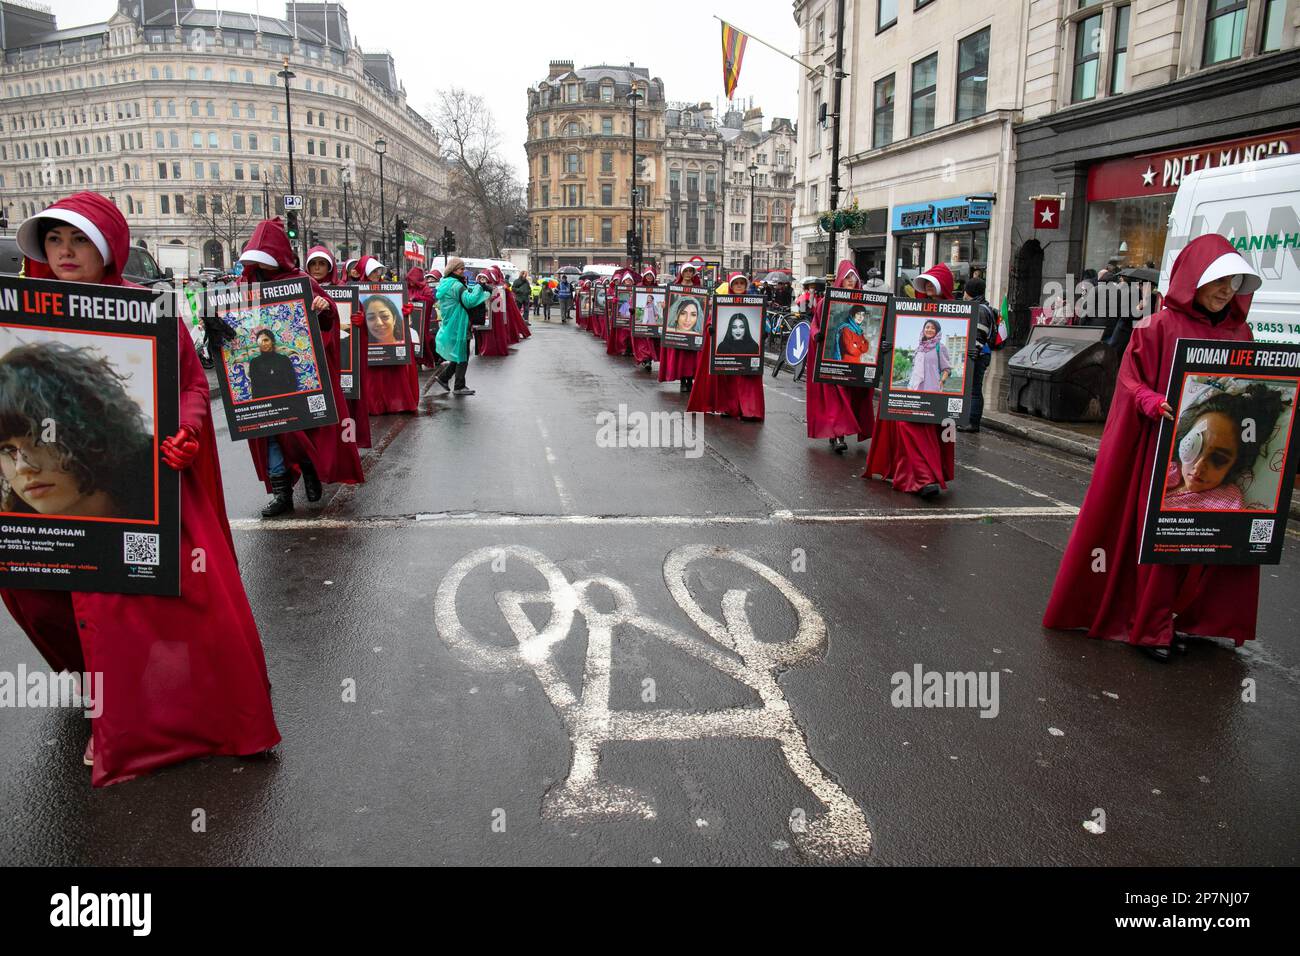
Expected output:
(941, 215)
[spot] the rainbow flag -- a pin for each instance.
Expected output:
(733, 52)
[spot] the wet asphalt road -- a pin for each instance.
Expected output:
(705, 730)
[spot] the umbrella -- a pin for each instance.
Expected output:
(570, 271)
(1141, 274)
(778, 276)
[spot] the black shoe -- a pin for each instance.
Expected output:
(463, 391)
(310, 481)
(1157, 652)
(841, 445)
(929, 491)
(969, 429)
(282, 502)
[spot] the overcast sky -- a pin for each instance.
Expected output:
(498, 49)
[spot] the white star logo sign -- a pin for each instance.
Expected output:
(1047, 214)
(1149, 177)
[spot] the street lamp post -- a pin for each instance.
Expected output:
(346, 177)
(381, 147)
(634, 96)
(753, 175)
(287, 74)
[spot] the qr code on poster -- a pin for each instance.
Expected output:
(345, 381)
(315, 403)
(1261, 531)
(139, 548)
(400, 351)
(954, 406)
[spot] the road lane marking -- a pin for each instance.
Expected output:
(1019, 487)
(840, 831)
(778, 517)
(551, 461)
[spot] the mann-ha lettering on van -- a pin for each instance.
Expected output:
(1257, 209)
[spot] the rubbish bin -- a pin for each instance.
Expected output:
(1065, 374)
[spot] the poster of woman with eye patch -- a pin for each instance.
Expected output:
(1226, 454)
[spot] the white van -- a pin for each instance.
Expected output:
(1256, 206)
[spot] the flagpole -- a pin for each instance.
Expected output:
(806, 66)
(838, 80)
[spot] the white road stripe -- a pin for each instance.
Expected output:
(477, 520)
(1016, 485)
(565, 502)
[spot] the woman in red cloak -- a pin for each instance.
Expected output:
(519, 329)
(597, 326)
(418, 291)
(645, 350)
(837, 410)
(324, 455)
(676, 363)
(495, 339)
(582, 319)
(387, 388)
(1101, 587)
(914, 455)
(181, 676)
(737, 396)
(320, 266)
(618, 341)
(429, 357)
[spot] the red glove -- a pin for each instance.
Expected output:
(180, 450)
(358, 319)
(406, 309)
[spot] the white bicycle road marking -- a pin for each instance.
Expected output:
(839, 832)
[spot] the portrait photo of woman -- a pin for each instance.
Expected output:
(737, 338)
(1215, 451)
(931, 365)
(271, 372)
(687, 315)
(854, 338)
(73, 442)
(384, 321)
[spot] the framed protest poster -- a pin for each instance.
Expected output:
(273, 373)
(927, 376)
(648, 312)
(853, 325)
(384, 306)
(347, 300)
(1222, 482)
(686, 315)
(624, 296)
(737, 335)
(89, 389)
(417, 328)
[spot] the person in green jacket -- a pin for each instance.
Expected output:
(455, 298)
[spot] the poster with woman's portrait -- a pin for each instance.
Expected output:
(648, 312)
(351, 340)
(1222, 481)
(853, 325)
(88, 392)
(624, 301)
(686, 314)
(387, 340)
(272, 370)
(417, 324)
(737, 335)
(925, 376)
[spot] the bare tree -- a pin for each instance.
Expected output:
(222, 212)
(485, 194)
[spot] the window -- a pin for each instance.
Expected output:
(194, 108)
(925, 75)
(692, 184)
(239, 172)
(1271, 34)
(973, 74)
(1119, 58)
(572, 129)
(214, 170)
(1225, 27)
(210, 108)
(162, 170)
(573, 195)
(606, 194)
(180, 204)
(252, 141)
(572, 163)
(607, 126)
(157, 140)
(607, 163)
(738, 231)
(164, 204)
(237, 140)
(197, 140)
(546, 232)
(886, 14)
(546, 165)
(212, 140)
(275, 144)
(607, 230)
(546, 194)
(607, 92)
(198, 170)
(234, 110)
(546, 128)
(819, 30)
(174, 139)
(641, 128)
(1087, 51)
(176, 170)
(309, 118)
(882, 133)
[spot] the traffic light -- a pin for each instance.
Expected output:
(292, 227)
(448, 241)
(312, 238)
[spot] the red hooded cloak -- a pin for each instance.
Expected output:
(619, 341)
(356, 407)
(388, 388)
(418, 290)
(739, 396)
(914, 455)
(334, 459)
(496, 339)
(836, 410)
(644, 348)
(182, 676)
(1123, 600)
